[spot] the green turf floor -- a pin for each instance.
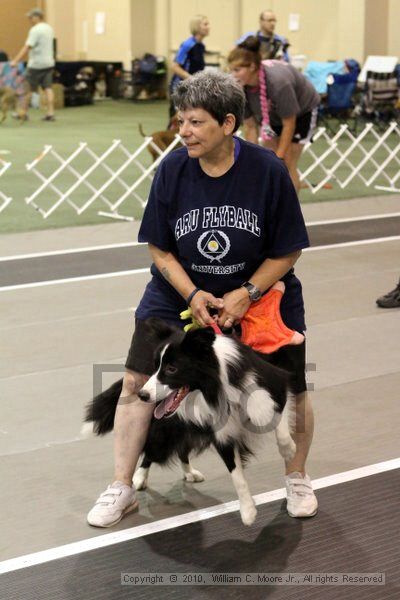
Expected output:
(98, 126)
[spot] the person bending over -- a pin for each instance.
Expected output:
(281, 104)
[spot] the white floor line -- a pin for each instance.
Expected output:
(66, 319)
(109, 539)
(350, 244)
(353, 219)
(117, 361)
(130, 244)
(35, 284)
(70, 251)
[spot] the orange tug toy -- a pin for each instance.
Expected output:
(262, 326)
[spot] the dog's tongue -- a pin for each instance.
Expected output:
(165, 405)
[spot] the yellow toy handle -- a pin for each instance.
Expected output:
(188, 314)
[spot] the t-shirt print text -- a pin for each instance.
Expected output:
(213, 217)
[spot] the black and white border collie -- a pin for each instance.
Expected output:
(208, 390)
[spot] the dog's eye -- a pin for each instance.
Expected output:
(170, 370)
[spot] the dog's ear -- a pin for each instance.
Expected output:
(196, 338)
(159, 329)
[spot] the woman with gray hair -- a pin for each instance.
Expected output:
(190, 57)
(223, 224)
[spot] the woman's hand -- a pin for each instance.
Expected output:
(200, 304)
(236, 304)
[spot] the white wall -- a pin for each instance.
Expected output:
(393, 28)
(74, 25)
(351, 30)
(223, 16)
(329, 29)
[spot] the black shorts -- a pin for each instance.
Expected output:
(143, 346)
(142, 350)
(39, 77)
(293, 360)
(305, 126)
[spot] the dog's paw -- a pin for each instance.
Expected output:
(87, 430)
(193, 476)
(288, 450)
(140, 479)
(248, 514)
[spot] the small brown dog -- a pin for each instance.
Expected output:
(8, 102)
(162, 139)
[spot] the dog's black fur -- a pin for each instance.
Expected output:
(167, 440)
(223, 371)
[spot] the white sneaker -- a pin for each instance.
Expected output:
(118, 500)
(301, 500)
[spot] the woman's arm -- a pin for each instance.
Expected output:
(237, 302)
(250, 130)
(177, 69)
(273, 269)
(174, 273)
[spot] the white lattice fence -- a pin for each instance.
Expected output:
(4, 200)
(85, 177)
(118, 176)
(371, 156)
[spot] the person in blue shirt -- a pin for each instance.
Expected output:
(272, 45)
(223, 224)
(190, 56)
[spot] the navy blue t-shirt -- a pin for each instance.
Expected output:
(222, 228)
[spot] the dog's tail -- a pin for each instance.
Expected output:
(100, 412)
(141, 131)
(286, 427)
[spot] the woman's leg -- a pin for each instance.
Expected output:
(271, 144)
(131, 424)
(303, 435)
(291, 161)
(301, 500)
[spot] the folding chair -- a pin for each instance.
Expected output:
(381, 98)
(339, 102)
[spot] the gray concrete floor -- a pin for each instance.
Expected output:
(53, 335)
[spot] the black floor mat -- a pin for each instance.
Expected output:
(95, 262)
(356, 531)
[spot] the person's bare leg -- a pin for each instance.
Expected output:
(271, 144)
(131, 424)
(303, 435)
(26, 102)
(294, 154)
(300, 497)
(291, 159)
(50, 101)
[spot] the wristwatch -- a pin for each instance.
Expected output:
(253, 291)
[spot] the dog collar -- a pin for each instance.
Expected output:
(216, 328)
